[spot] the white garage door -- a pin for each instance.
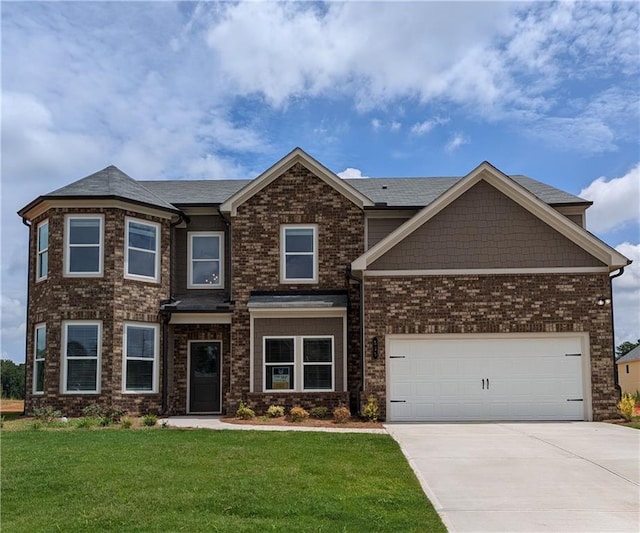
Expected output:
(480, 378)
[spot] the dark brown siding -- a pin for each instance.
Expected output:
(264, 327)
(484, 229)
(379, 228)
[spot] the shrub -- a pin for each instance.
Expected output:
(275, 411)
(104, 421)
(320, 412)
(126, 423)
(106, 415)
(149, 420)
(86, 422)
(626, 406)
(341, 414)
(371, 410)
(46, 415)
(244, 412)
(298, 414)
(93, 410)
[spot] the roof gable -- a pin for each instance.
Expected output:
(271, 174)
(516, 192)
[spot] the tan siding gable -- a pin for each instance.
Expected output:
(483, 228)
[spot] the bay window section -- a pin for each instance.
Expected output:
(205, 260)
(39, 355)
(142, 250)
(140, 357)
(84, 243)
(299, 364)
(42, 262)
(81, 354)
(299, 257)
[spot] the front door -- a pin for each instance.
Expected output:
(204, 376)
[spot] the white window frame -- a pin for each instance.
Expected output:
(67, 247)
(40, 275)
(284, 253)
(38, 360)
(298, 363)
(156, 263)
(155, 360)
(66, 358)
(190, 259)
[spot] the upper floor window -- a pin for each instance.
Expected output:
(140, 357)
(81, 347)
(42, 261)
(39, 353)
(205, 260)
(299, 254)
(142, 245)
(84, 237)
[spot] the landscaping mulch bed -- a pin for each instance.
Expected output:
(309, 422)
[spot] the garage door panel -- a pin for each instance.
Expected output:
(486, 379)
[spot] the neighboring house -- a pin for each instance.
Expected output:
(472, 298)
(629, 371)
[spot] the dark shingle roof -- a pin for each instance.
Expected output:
(195, 192)
(633, 355)
(111, 182)
(199, 304)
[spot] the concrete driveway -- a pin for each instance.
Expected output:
(510, 477)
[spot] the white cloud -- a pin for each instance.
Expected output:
(351, 173)
(421, 128)
(626, 296)
(616, 202)
(455, 142)
(395, 126)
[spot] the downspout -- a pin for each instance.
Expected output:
(166, 315)
(361, 328)
(26, 337)
(616, 383)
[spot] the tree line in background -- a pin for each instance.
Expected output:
(13, 380)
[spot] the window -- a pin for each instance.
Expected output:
(627, 368)
(42, 261)
(84, 237)
(298, 363)
(141, 250)
(299, 258)
(39, 353)
(205, 260)
(81, 352)
(140, 357)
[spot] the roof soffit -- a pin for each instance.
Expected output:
(516, 192)
(271, 174)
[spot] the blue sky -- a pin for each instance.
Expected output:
(208, 90)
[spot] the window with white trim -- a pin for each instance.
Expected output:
(299, 254)
(298, 363)
(205, 260)
(140, 357)
(81, 347)
(39, 355)
(142, 250)
(42, 261)
(84, 238)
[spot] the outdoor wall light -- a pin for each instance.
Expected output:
(374, 347)
(601, 300)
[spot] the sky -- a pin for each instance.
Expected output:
(209, 90)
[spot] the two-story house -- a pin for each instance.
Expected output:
(480, 297)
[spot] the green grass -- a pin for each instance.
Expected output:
(200, 480)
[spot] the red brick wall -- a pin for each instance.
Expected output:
(296, 197)
(111, 299)
(550, 303)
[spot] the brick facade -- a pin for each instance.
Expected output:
(542, 303)
(111, 299)
(295, 197)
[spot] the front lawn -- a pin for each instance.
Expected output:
(200, 480)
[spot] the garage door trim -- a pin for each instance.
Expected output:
(582, 337)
